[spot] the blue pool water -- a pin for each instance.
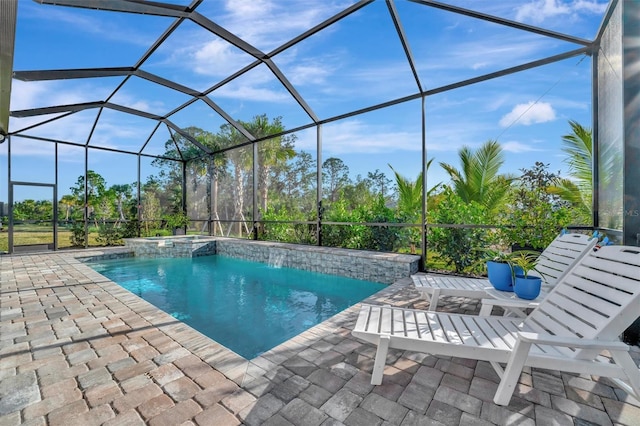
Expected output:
(246, 306)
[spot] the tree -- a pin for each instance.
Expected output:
(69, 202)
(216, 166)
(335, 176)
(169, 178)
(96, 188)
(379, 181)
(534, 216)
(410, 201)
(479, 180)
(150, 212)
(410, 194)
(271, 152)
(122, 193)
(104, 206)
(578, 145)
(292, 198)
(298, 184)
(457, 246)
(241, 160)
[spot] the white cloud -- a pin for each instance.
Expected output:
(538, 11)
(258, 84)
(590, 6)
(309, 73)
(267, 24)
(518, 147)
(24, 95)
(355, 136)
(491, 51)
(249, 8)
(113, 126)
(479, 65)
(111, 28)
(36, 94)
(495, 103)
(529, 113)
(248, 92)
(217, 58)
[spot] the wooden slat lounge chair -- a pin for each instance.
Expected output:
(581, 317)
(555, 260)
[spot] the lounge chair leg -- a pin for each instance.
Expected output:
(624, 360)
(485, 310)
(433, 301)
(381, 359)
(512, 373)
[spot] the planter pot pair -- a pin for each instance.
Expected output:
(501, 278)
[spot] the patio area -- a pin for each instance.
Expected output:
(77, 349)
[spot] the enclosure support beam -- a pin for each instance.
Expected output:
(631, 94)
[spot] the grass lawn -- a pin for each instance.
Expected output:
(26, 237)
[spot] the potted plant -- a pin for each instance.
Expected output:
(499, 269)
(525, 286)
(177, 222)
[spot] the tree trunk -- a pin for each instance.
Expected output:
(120, 212)
(264, 188)
(238, 202)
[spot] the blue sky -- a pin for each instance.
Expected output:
(353, 64)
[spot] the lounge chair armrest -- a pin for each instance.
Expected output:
(573, 342)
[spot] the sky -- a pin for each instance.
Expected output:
(353, 64)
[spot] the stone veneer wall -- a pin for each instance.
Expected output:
(171, 247)
(364, 265)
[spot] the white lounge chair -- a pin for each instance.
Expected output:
(563, 252)
(580, 318)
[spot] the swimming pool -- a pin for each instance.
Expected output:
(246, 306)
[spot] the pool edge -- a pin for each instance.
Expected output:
(233, 366)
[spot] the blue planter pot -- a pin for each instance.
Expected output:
(527, 288)
(500, 275)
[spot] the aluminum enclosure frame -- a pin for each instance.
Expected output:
(189, 13)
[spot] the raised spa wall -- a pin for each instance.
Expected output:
(364, 265)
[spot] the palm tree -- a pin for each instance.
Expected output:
(578, 145)
(215, 164)
(69, 202)
(410, 200)
(410, 194)
(479, 179)
(271, 152)
(241, 161)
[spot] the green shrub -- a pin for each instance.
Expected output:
(109, 235)
(131, 229)
(77, 238)
(458, 247)
(534, 216)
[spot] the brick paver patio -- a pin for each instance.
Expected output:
(76, 349)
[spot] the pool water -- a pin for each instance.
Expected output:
(248, 307)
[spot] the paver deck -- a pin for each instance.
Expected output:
(77, 349)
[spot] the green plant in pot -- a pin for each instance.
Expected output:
(525, 286)
(499, 269)
(178, 222)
